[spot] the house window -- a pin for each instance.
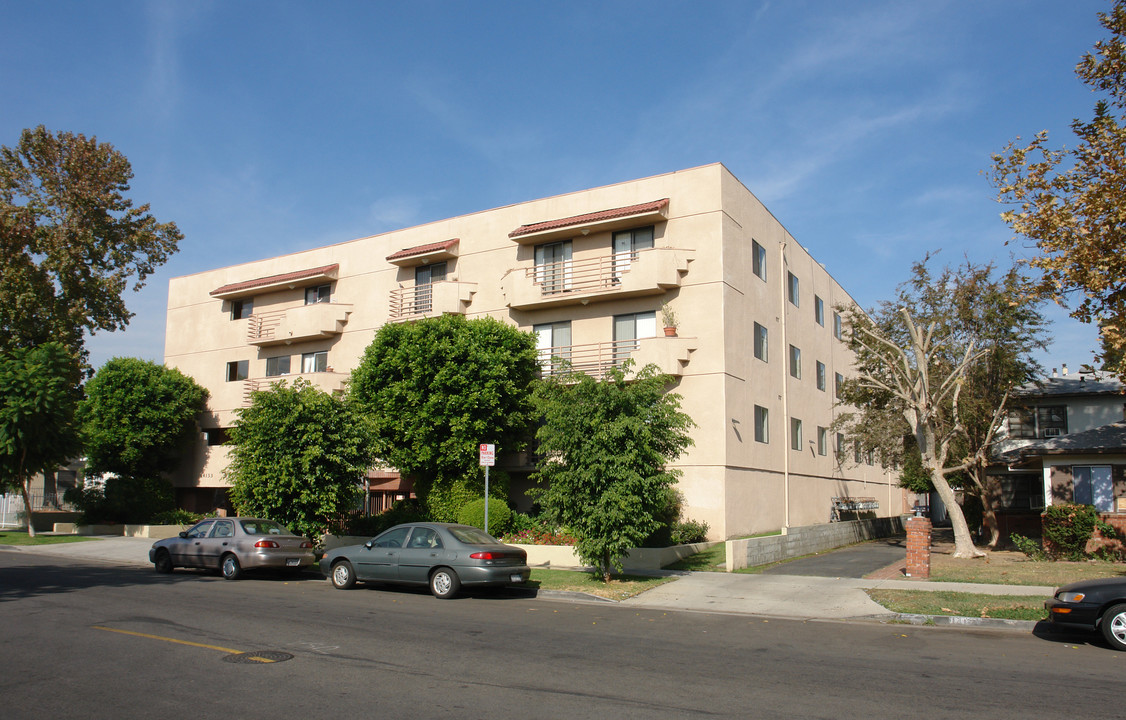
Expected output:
(277, 366)
(314, 362)
(1093, 485)
(838, 326)
(795, 434)
(792, 289)
(857, 452)
(762, 424)
(217, 436)
(760, 343)
(795, 362)
(821, 376)
(318, 294)
(819, 310)
(628, 329)
(838, 383)
(553, 267)
(1041, 422)
(822, 441)
(842, 448)
(553, 344)
(424, 277)
(238, 370)
(626, 246)
(242, 309)
(758, 260)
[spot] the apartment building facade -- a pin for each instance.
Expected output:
(756, 355)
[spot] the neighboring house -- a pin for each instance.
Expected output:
(757, 355)
(1065, 441)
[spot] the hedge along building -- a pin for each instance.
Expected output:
(756, 353)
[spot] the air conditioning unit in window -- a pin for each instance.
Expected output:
(1052, 432)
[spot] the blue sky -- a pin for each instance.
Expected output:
(262, 128)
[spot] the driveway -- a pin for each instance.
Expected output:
(855, 561)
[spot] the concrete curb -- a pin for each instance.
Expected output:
(958, 621)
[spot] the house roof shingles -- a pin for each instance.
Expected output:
(1105, 439)
(590, 217)
(294, 276)
(423, 249)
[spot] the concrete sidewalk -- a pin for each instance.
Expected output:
(801, 597)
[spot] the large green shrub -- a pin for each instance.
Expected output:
(473, 513)
(122, 500)
(403, 511)
(1068, 527)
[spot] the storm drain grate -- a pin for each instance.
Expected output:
(257, 657)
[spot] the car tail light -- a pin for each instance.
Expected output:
(306, 544)
(266, 543)
(487, 556)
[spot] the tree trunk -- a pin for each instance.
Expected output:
(963, 540)
(988, 506)
(25, 490)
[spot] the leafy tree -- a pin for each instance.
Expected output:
(937, 363)
(138, 417)
(298, 456)
(1069, 202)
(604, 445)
(437, 388)
(70, 240)
(37, 405)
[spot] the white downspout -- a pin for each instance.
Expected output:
(784, 283)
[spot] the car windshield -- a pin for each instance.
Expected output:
(473, 536)
(263, 527)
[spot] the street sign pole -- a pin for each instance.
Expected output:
(488, 457)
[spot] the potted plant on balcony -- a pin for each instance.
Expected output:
(668, 317)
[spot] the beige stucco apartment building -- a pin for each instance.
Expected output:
(756, 355)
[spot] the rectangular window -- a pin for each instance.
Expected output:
(821, 376)
(761, 348)
(238, 370)
(762, 424)
(553, 267)
(424, 277)
(857, 453)
(792, 289)
(1093, 485)
(822, 441)
(628, 329)
(553, 344)
(217, 436)
(277, 366)
(819, 310)
(838, 383)
(842, 448)
(242, 309)
(314, 362)
(318, 294)
(758, 260)
(795, 434)
(1022, 423)
(838, 326)
(626, 246)
(1051, 421)
(795, 362)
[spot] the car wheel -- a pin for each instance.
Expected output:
(163, 562)
(444, 583)
(1113, 626)
(230, 567)
(342, 575)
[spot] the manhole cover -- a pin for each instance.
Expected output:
(260, 656)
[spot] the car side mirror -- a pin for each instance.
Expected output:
(368, 544)
(184, 534)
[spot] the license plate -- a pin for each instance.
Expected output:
(292, 562)
(516, 578)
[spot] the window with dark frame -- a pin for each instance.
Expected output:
(822, 441)
(314, 362)
(318, 294)
(795, 434)
(758, 260)
(242, 309)
(762, 424)
(819, 310)
(238, 370)
(795, 362)
(277, 366)
(792, 290)
(761, 347)
(821, 376)
(838, 326)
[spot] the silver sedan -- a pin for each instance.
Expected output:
(443, 556)
(231, 545)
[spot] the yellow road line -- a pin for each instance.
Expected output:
(171, 640)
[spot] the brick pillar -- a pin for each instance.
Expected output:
(919, 547)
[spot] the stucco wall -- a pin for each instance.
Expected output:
(751, 552)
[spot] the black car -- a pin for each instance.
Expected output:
(1093, 605)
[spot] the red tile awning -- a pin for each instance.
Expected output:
(270, 282)
(640, 211)
(422, 254)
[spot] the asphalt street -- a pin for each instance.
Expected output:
(121, 641)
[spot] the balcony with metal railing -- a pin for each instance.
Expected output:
(296, 324)
(438, 298)
(670, 354)
(328, 381)
(608, 277)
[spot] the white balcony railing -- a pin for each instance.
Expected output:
(439, 298)
(328, 381)
(596, 359)
(304, 322)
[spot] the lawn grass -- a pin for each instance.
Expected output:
(1014, 568)
(923, 602)
(11, 537)
(620, 587)
(714, 559)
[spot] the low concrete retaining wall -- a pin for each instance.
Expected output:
(563, 556)
(75, 529)
(156, 532)
(807, 540)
